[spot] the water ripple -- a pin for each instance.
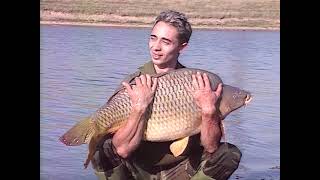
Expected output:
(81, 67)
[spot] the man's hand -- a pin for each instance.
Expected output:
(129, 136)
(206, 99)
(142, 94)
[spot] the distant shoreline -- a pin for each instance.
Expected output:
(260, 15)
(131, 25)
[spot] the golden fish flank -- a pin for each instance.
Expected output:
(172, 115)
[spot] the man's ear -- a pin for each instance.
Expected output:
(183, 46)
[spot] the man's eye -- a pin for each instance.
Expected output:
(152, 37)
(166, 42)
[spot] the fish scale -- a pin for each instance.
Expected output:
(172, 115)
(174, 110)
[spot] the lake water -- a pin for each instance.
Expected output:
(81, 66)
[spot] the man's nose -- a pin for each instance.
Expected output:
(157, 46)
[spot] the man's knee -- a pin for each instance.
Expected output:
(222, 163)
(105, 157)
(233, 155)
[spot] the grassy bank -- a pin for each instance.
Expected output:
(225, 14)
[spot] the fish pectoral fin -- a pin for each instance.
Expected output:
(95, 139)
(115, 127)
(179, 146)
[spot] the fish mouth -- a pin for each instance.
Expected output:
(248, 99)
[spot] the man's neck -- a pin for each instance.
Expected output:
(168, 67)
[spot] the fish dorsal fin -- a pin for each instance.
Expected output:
(177, 147)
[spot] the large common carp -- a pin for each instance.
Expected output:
(173, 115)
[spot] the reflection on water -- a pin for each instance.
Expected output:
(81, 66)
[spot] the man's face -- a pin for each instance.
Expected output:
(164, 45)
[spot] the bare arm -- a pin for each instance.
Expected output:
(210, 132)
(206, 100)
(128, 138)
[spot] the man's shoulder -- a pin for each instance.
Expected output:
(129, 77)
(137, 73)
(146, 68)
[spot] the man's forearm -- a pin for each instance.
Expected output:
(127, 138)
(210, 132)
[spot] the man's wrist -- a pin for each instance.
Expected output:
(208, 110)
(137, 113)
(139, 109)
(209, 113)
(211, 117)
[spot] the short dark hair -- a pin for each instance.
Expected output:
(178, 20)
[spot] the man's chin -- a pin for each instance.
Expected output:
(157, 61)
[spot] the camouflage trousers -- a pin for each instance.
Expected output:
(219, 165)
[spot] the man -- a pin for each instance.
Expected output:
(125, 155)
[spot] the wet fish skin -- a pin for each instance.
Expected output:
(172, 115)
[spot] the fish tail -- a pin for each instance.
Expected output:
(79, 134)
